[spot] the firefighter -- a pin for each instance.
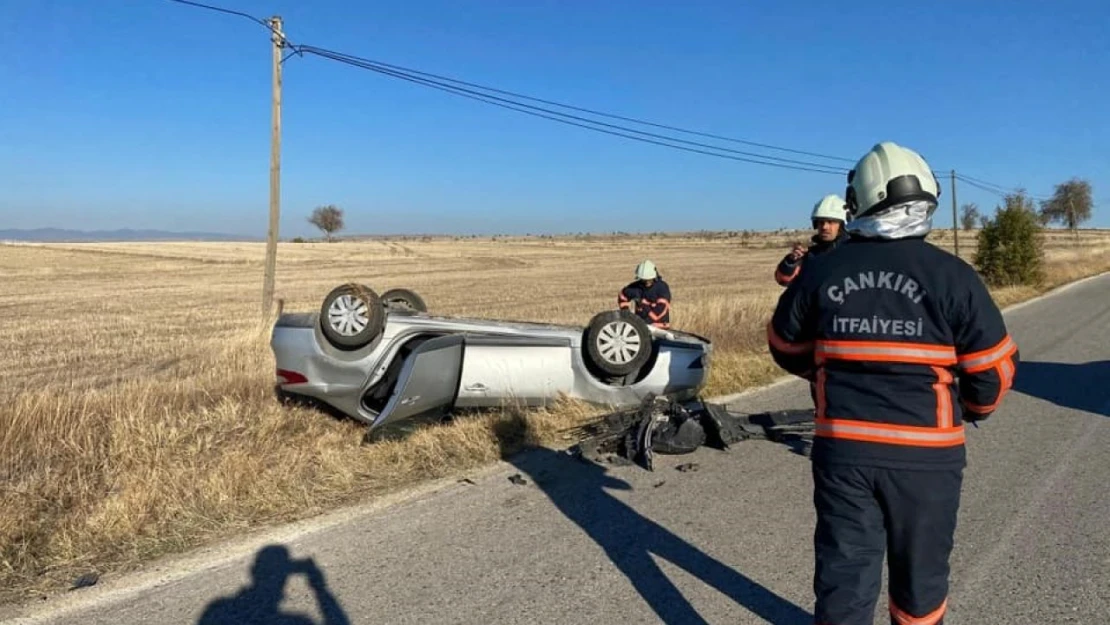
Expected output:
(647, 296)
(828, 219)
(905, 347)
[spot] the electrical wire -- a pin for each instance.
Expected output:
(284, 40)
(556, 116)
(982, 187)
(456, 81)
(971, 179)
(469, 90)
(223, 10)
(439, 82)
(999, 191)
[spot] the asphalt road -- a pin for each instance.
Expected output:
(727, 543)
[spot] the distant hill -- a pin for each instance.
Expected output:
(123, 234)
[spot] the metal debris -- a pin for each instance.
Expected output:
(665, 425)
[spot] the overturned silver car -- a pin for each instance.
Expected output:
(383, 358)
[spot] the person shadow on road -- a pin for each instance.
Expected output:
(259, 603)
(1074, 386)
(577, 487)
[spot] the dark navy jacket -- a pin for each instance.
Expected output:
(654, 302)
(902, 341)
(788, 268)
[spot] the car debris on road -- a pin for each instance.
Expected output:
(666, 425)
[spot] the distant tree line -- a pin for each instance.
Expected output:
(1010, 250)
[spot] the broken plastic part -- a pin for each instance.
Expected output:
(663, 425)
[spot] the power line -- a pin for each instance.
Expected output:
(223, 10)
(468, 90)
(1000, 191)
(285, 43)
(993, 188)
(971, 179)
(545, 113)
(456, 81)
(438, 82)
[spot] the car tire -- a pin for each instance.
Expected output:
(404, 299)
(351, 316)
(618, 342)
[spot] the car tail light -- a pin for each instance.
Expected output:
(285, 376)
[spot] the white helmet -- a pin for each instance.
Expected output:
(889, 175)
(646, 271)
(830, 207)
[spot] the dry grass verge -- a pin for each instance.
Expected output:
(108, 478)
(142, 421)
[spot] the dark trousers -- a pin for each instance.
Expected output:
(864, 511)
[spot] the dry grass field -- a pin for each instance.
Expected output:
(137, 415)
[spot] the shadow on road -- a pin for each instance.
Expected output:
(259, 603)
(577, 488)
(1077, 386)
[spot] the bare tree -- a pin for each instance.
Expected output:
(969, 215)
(1070, 205)
(328, 218)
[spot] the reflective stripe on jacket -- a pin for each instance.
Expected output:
(653, 303)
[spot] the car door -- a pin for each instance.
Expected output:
(428, 382)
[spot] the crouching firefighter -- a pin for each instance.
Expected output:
(828, 219)
(648, 296)
(883, 327)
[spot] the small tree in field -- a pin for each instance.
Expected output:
(328, 218)
(969, 215)
(1010, 250)
(1070, 205)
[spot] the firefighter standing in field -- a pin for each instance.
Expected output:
(881, 326)
(648, 296)
(828, 219)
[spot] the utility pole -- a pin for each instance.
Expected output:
(278, 40)
(955, 218)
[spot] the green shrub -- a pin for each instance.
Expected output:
(1011, 249)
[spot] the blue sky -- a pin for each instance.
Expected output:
(152, 114)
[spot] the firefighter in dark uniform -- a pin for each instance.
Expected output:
(905, 346)
(648, 296)
(828, 219)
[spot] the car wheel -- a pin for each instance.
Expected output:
(351, 316)
(618, 342)
(404, 299)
